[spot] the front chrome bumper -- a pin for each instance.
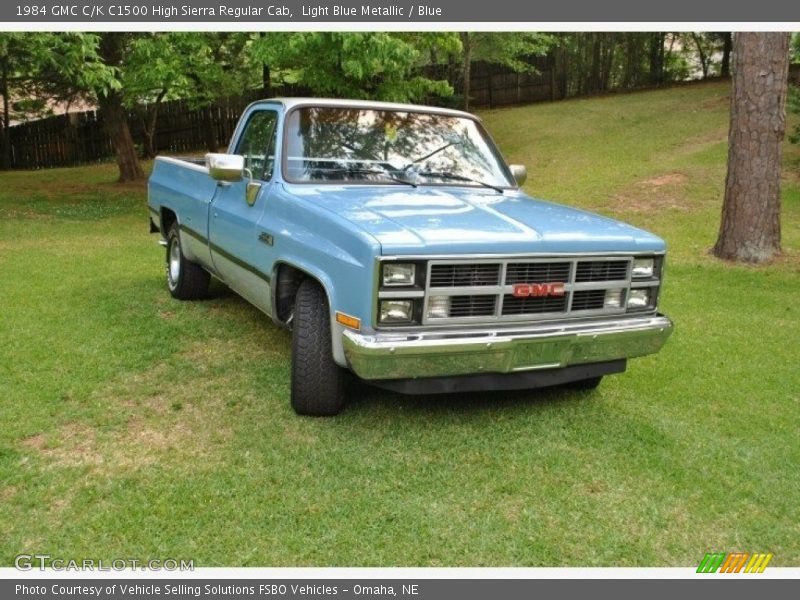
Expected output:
(507, 350)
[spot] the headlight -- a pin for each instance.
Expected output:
(639, 298)
(439, 307)
(396, 311)
(643, 268)
(613, 299)
(395, 274)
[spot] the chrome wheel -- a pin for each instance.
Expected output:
(186, 280)
(174, 261)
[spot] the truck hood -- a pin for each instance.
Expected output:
(453, 220)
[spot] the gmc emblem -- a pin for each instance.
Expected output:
(539, 290)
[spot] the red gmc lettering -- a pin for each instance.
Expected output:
(522, 290)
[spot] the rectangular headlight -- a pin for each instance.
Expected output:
(639, 298)
(643, 268)
(396, 311)
(396, 274)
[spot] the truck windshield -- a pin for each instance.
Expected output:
(333, 144)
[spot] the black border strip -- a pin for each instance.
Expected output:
(226, 255)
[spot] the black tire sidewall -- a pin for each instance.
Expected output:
(317, 381)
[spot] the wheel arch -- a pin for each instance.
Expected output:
(288, 275)
(168, 217)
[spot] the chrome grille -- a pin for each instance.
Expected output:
(523, 306)
(464, 275)
(601, 270)
(588, 299)
(484, 289)
(472, 306)
(537, 272)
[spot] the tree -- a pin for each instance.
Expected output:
(597, 62)
(221, 66)
(507, 49)
(657, 48)
(727, 47)
(154, 71)
(357, 65)
(704, 44)
(201, 67)
(91, 66)
(41, 68)
(111, 101)
(19, 56)
(750, 226)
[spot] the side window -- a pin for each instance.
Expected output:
(257, 144)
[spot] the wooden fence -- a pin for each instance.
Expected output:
(78, 138)
(493, 85)
(61, 140)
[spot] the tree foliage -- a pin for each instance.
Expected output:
(37, 69)
(369, 65)
(137, 72)
(200, 67)
(511, 50)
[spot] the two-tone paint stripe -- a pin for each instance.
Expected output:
(734, 562)
(225, 254)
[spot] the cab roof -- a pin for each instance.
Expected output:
(289, 103)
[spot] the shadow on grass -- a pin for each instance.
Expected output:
(364, 397)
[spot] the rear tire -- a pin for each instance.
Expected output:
(317, 381)
(186, 280)
(586, 384)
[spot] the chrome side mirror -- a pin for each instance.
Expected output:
(225, 167)
(520, 173)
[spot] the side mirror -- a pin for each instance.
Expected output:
(225, 167)
(520, 173)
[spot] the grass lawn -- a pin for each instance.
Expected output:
(134, 425)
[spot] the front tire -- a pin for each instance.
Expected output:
(317, 381)
(186, 280)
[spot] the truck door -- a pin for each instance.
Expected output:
(241, 251)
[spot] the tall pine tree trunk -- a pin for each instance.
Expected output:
(750, 229)
(114, 114)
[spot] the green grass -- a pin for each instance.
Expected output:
(134, 425)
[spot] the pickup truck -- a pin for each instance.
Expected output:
(395, 242)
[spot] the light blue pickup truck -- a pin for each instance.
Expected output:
(396, 243)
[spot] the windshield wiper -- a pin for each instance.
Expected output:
(429, 154)
(457, 177)
(388, 174)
